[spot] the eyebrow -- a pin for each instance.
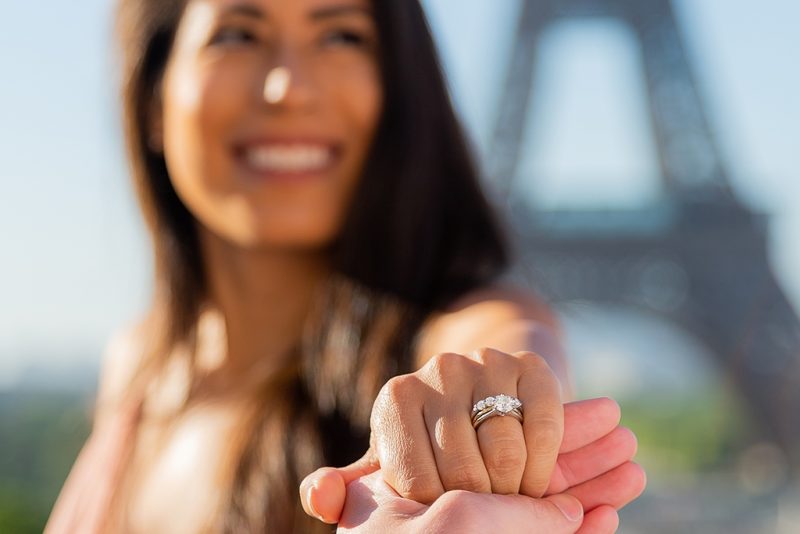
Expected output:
(247, 10)
(256, 12)
(336, 11)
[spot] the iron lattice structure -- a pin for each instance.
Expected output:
(697, 257)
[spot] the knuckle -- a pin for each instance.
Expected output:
(541, 379)
(456, 499)
(494, 358)
(394, 396)
(468, 477)
(397, 388)
(445, 363)
(485, 355)
(421, 486)
(546, 434)
(506, 458)
(531, 360)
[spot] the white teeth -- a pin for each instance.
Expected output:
(288, 158)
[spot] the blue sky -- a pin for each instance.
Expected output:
(74, 262)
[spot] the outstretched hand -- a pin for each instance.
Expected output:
(593, 465)
(373, 506)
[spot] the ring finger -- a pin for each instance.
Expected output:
(500, 438)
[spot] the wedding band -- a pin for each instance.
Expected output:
(476, 422)
(497, 405)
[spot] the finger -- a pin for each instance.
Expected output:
(373, 506)
(458, 454)
(401, 440)
(322, 493)
(452, 437)
(616, 488)
(476, 512)
(591, 461)
(587, 421)
(500, 438)
(601, 520)
(540, 393)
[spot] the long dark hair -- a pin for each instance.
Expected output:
(419, 234)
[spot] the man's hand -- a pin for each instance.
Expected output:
(373, 506)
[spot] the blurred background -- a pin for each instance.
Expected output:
(646, 152)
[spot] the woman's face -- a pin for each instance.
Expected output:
(267, 112)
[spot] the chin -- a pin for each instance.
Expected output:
(292, 239)
(308, 233)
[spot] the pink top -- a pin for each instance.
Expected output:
(84, 503)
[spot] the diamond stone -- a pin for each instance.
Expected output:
(489, 401)
(481, 405)
(504, 404)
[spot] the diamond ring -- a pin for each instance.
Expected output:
(497, 405)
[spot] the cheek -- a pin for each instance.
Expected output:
(359, 99)
(196, 112)
(200, 110)
(366, 103)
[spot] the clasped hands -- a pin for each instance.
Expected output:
(565, 468)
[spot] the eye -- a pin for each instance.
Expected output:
(348, 38)
(233, 35)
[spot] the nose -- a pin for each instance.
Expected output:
(277, 84)
(289, 83)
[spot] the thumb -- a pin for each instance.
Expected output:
(556, 514)
(567, 505)
(322, 493)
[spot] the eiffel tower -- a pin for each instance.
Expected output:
(697, 257)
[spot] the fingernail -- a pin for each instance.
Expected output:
(570, 507)
(310, 502)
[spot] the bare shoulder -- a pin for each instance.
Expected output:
(504, 317)
(122, 359)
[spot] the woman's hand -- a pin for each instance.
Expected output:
(423, 437)
(373, 506)
(593, 465)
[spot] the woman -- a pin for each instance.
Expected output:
(318, 228)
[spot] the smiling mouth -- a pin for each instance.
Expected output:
(273, 159)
